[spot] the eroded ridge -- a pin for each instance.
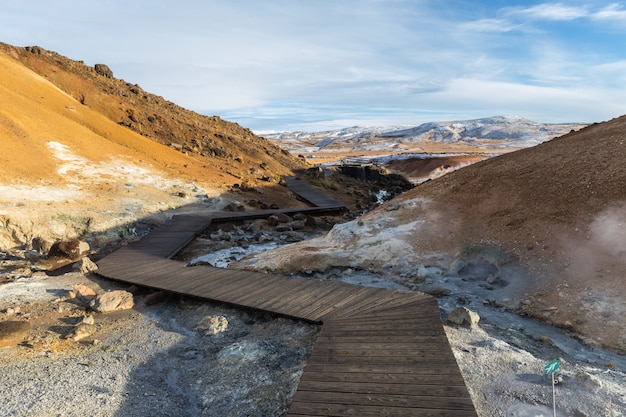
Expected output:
(379, 352)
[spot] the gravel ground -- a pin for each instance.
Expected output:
(156, 360)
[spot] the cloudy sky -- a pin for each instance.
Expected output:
(321, 64)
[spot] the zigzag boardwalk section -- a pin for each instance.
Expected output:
(379, 352)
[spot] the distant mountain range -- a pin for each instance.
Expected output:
(491, 133)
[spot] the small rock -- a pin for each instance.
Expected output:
(234, 206)
(392, 206)
(85, 265)
(12, 332)
(291, 236)
(73, 249)
(590, 381)
(283, 227)
(88, 320)
(112, 301)
(276, 219)
(82, 294)
(156, 297)
(463, 316)
(9, 311)
(310, 222)
(297, 224)
(41, 245)
(81, 331)
(213, 324)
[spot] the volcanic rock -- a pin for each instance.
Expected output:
(112, 301)
(12, 332)
(463, 316)
(73, 249)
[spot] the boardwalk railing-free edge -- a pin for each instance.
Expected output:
(379, 352)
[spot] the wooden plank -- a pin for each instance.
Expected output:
(389, 346)
(292, 297)
(381, 400)
(445, 378)
(382, 301)
(417, 371)
(407, 387)
(421, 339)
(366, 350)
(303, 409)
(338, 294)
(391, 361)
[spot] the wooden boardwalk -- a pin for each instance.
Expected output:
(379, 352)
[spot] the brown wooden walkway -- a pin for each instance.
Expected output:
(379, 352)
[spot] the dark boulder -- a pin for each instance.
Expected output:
(103, 70)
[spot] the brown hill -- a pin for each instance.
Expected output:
(544, 228)
(224, 145)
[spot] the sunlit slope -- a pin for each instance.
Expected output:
(33, 112)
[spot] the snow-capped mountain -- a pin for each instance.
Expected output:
(499, 132)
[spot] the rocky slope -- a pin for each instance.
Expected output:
(224, 145)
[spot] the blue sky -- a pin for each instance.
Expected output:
(322, 64)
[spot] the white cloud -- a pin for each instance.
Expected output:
(611, 12)
(551, 11)
(490, 25)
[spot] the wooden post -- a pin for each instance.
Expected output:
(553, 398)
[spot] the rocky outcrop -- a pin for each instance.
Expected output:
(103, 70)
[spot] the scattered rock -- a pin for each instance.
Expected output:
(73, 249)
(156, 297)
(81, 331)
(436, 291)
(590, 381)
(112, 301)
(82, 294)
(276, 219)
(310, 222)
(297, 224)
(41, 245)
(463, 316)
(85, 265)
(213, 324)
(234, 206)
(12, 332)
(293, 236)
(9, 311)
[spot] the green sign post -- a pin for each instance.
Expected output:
(550, 369)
